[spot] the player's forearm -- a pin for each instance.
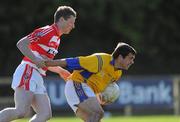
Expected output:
(57, 62)
(23, 46)
(70, 63)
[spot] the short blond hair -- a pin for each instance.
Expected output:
(65, 12)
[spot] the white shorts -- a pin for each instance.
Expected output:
(76, 93)
(28, 78)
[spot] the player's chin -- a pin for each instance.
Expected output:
(68, 31)
(127, 67)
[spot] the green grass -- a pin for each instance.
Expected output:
(118, 119)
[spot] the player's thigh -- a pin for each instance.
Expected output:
(91, 105)
(27, 77)
(23, 99)
(41, 104)
(81, 96)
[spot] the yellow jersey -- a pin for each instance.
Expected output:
(96, 70)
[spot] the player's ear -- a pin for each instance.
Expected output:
(61, 19)
(120, 57)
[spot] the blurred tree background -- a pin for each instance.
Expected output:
(151, 26)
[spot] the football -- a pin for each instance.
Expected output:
(110, 94)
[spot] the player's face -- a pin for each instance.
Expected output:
(125, 63)
(68, 25)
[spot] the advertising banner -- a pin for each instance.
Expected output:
(155, 92)
(142, 92)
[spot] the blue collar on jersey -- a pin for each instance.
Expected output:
(112, 62)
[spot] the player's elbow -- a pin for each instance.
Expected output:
(18, 44)
(23, 43)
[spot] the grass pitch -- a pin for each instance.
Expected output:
(117, 119)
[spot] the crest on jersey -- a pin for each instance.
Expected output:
(39, 34)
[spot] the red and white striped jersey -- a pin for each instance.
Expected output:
(44, 41)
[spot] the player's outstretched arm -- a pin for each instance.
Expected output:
(57, 62)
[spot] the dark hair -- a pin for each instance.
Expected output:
(65, 12)
(123, 49)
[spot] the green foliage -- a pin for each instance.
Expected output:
(151, 26)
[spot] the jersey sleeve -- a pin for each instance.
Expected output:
(92, 63)
(118, 75)
(34, 36)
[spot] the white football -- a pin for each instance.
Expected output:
(110, 94)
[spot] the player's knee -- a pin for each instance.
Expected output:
(100, 114)
(96, 116)
(47, 115)
(21, 114)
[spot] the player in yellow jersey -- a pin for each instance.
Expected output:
(91, 75)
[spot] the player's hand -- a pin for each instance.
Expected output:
(39, 62)
(64, 74)
(101, 100)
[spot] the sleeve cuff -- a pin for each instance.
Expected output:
(73, 64)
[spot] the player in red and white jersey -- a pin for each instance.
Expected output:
(37, 47)
(44, 43)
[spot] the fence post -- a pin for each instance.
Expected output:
(176, 94)
(128, 110)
